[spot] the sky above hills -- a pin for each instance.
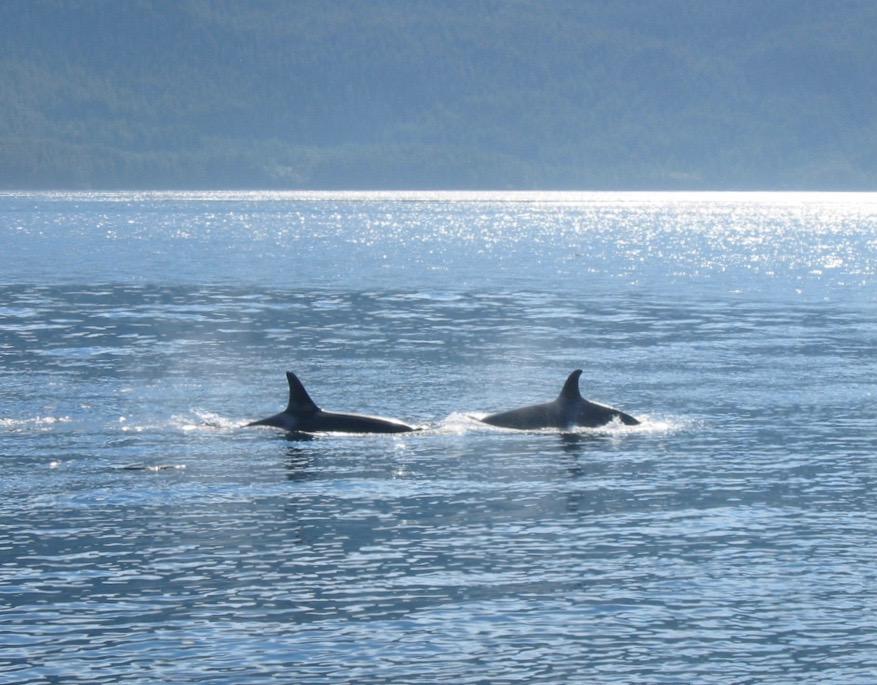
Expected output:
(620, 94)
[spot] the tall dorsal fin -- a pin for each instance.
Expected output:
(299, 400)
(571, 387)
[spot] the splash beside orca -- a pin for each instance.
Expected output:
(302, 415)
(568, 411)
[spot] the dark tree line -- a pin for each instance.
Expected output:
(438, 93)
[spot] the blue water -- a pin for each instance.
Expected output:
(146, 537)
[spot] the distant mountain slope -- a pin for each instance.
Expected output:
(438, 93)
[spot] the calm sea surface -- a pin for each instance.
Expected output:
(146, 537)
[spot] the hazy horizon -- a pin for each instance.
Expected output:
(423, 95)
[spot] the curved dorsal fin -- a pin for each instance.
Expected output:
(571, 387)
(299, 400)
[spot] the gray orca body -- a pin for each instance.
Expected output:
(302, 415)
(569, 410)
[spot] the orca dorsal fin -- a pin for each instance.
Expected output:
(571, 387)
(299, 400)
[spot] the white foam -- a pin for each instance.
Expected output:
(36, 422)
(206, 421)
(459, 423)
(197, 421)
(153, 468)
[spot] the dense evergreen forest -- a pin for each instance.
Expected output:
(566, 94)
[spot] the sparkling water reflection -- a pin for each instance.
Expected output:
(146, 537)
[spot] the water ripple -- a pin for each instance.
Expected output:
(147, 536)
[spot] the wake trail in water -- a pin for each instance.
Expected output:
(39, 423)
(207, 421)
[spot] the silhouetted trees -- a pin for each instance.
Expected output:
(438, 93)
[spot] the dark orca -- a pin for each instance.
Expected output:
(302, 415)
(568, 410)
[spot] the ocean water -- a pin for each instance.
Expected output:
(147, 537)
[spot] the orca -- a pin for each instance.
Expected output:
(570, 409)
(302, 415)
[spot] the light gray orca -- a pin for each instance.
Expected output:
(302, 415)
(570, 409)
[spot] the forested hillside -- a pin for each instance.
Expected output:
(438, 94)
